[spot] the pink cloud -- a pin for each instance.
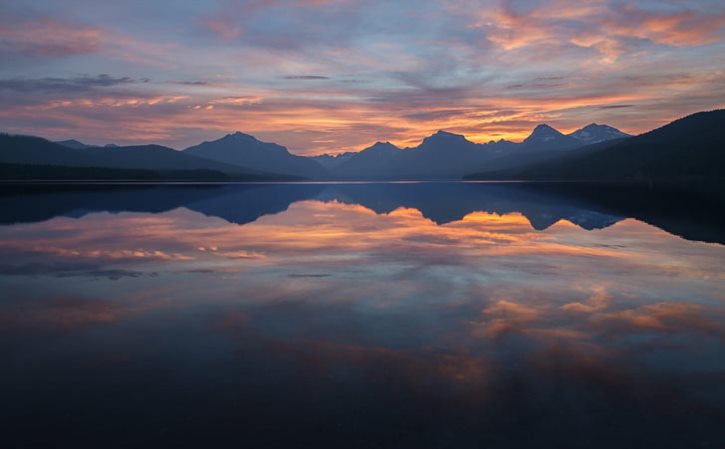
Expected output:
(48, 37)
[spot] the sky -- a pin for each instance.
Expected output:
(326, 76)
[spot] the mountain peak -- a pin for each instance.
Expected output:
(543, 133)
(545, 128)
(595, 133)
(383, 145)
(381, 148)
(244, 150)
(442, 133)
(445, 136)
(238, 135)
(74, 144)
(71, 142)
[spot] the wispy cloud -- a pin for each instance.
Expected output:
(75, 84)
(306, 77)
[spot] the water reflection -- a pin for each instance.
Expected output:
(591, 207)
(406, 315)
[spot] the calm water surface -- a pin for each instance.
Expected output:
(369, 315)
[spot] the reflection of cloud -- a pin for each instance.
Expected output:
(476, 326)
(91, 253)
(504, 317)
(670, 317)
(598, 300)
(68, 269)
(442, 370)
(58, 314)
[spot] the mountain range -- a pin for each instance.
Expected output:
(445, 155)
(687, 147)
(34, 157)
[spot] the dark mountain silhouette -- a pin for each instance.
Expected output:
(155, 157)
(246, 151)
(35, 151)
(375, 159)
(594, 133)
(445, 155)
(78, 145)
(690, 148)
(544, 143)
(691, 216)
(16, 172)
(441, 156)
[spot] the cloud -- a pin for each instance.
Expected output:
(224, 28)
(608, 28)
(616, 106)
(306, 77)
(67, 85)
(47, 37)
(68, 269)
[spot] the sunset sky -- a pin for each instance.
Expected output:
(336, 75)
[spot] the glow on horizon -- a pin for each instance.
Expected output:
(337, 75)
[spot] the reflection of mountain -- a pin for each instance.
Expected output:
(235, 203)
(448, 202)
(543, 205)
(245, 203)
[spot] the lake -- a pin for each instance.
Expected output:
(399, 315)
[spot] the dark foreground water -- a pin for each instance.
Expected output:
(368, 315)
